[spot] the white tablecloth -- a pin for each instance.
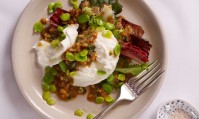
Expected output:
(180, 19)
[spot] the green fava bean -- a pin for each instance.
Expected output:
(79, 113)
(80, 58)
(99, 100)
(70, 56)
(109, 26)
(65, 16)
(117, 49)
(83, 18)
(38, 27)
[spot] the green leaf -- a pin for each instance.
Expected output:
(134, 70)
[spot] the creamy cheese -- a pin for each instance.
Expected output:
(104, 62)
(107, 12)
(49, 56)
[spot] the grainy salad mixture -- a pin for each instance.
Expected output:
(89, 50)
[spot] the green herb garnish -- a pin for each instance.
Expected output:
(134, 70)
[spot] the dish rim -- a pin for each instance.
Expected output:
(168, 101)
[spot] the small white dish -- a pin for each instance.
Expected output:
(177, 108)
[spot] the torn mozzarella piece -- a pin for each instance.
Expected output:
(49, 56)
(104, 62)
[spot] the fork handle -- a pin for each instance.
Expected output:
(107, 109)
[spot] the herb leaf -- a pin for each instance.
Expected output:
(134, 70)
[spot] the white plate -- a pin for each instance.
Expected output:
(28, 75)
(168, 109)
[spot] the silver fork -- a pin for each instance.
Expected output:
(136, 86)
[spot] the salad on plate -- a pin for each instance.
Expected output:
(89, 50)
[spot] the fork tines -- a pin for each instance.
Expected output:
(146, 78)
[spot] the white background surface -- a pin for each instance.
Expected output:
(180, 22)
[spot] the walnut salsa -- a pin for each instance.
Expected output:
(88, 50)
